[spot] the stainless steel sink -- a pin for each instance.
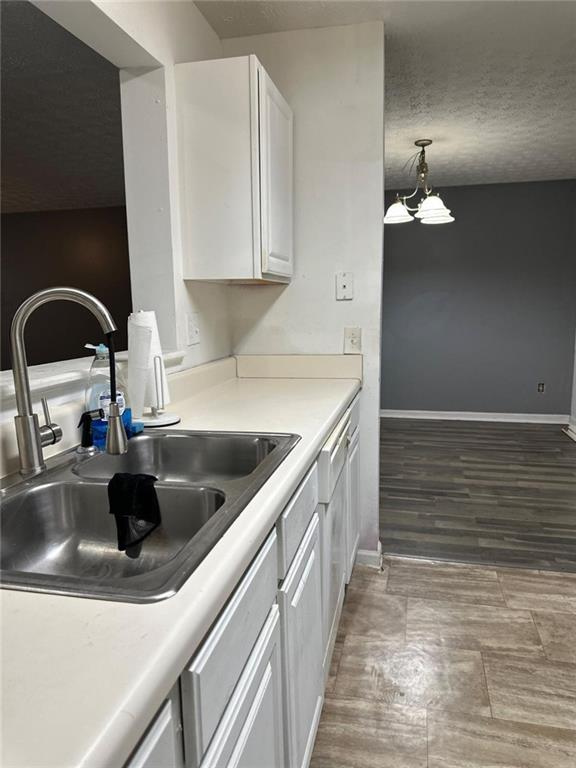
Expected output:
(58, 535)
(61, 528)
(180, 457)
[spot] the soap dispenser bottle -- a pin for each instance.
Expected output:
(98, 388)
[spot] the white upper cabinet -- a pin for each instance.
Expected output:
(235, 172)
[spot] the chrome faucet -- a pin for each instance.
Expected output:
(32, 437)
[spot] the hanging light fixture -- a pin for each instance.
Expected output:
(430, 209)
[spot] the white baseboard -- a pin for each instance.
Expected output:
(571, 431)
(371, 557)
(521, 418)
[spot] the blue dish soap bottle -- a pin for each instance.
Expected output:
(98, 388)
(98, 395)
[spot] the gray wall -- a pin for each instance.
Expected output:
(573, 408)
(477, 312)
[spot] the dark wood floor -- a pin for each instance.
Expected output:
(479, 492)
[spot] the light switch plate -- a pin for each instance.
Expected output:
(344, 286)
(352, 341)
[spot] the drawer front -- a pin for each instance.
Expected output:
(293, 522)
(332, 458)
(208, 684)
(355, 414)
(251, 733)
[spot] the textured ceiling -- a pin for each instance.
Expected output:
(492, 83)
(61, 123)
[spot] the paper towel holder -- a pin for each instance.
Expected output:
(159, 416)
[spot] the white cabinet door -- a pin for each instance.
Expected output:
(333, 563)
(216, 111)
(162, 745)
(234, 172)
(300, 600)
(353, 505)
(251, 732)
(276, 181)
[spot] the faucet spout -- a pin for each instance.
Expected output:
(31, 437)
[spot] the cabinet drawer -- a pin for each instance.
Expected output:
(355, 415)
(208, 684)
(251, 733)
(293, 522)
(332, 458)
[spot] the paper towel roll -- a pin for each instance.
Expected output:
(143, 347)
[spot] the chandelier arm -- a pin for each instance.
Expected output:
(407, 197)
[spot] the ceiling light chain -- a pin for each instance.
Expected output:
(430, 209)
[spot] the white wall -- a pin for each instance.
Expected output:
(146, 39)
(172, 32)
(333, 78)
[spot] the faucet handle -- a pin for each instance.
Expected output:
(47, 417)
(50, 433)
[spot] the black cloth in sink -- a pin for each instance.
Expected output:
(134, 504)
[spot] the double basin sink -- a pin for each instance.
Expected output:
(58, 535)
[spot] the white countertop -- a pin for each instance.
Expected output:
(83, 678)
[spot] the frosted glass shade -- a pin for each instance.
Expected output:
(397, 213)
(431, 206)
(437, 219)
(433, 211)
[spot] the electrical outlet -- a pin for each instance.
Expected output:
(352, 341)
(344, 286)
(541, 387)
(192, 329)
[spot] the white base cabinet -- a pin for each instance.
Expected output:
(251, 733)
(333, 517)
(161, 746)
(300, 600)
(251, 697)
(211, 679)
